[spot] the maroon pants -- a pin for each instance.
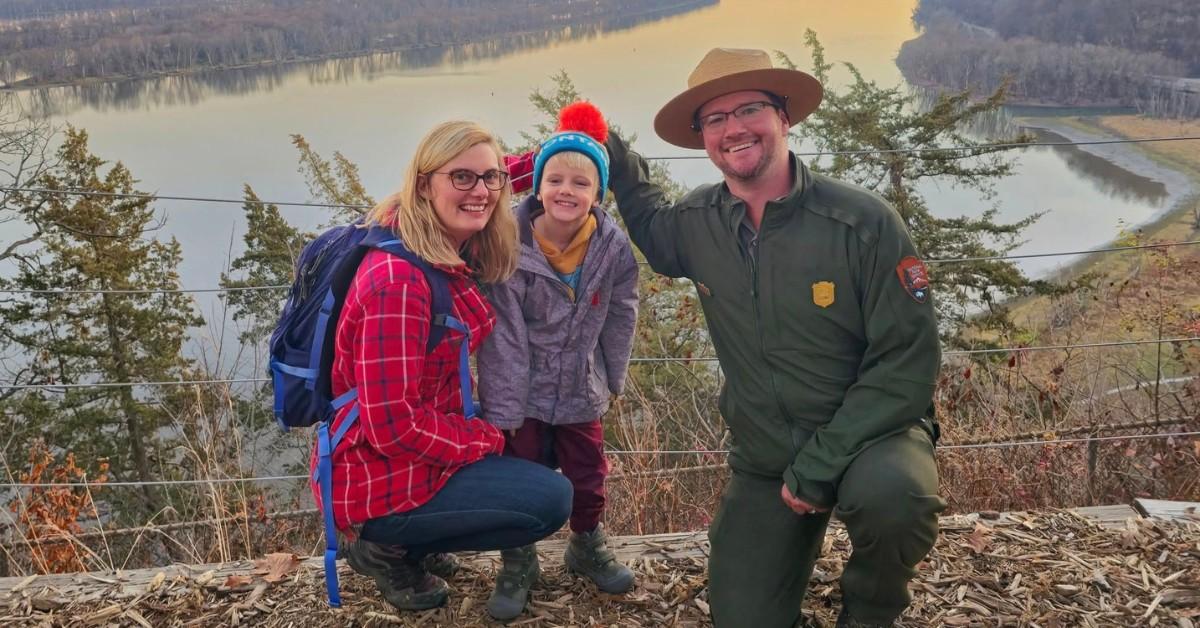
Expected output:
(578, 449)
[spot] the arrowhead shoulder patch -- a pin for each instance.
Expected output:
(914, 278)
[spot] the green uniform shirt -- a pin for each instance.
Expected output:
(825, 331)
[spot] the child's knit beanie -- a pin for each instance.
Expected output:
(582, 129)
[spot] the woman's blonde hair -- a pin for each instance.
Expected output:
(493, 251)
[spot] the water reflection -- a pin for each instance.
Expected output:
(1111, 179)
(193, 88)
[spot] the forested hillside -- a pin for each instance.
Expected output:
(1164, 27)
(1063, 52)
(25, 9)
(58, 41)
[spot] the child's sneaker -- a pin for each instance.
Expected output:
(518, 573)
(588, 555)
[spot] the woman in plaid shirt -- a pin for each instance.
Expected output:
(414, 479)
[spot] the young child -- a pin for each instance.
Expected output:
(560, 349)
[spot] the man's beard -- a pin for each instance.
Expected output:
(755, 172)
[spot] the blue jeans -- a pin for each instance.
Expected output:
(496, 503)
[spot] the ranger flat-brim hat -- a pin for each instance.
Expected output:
(726, 70)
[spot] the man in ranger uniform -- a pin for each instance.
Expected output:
(820, 312)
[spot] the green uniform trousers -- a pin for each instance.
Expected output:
(763, 553)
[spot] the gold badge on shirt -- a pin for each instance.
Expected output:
(823, 293)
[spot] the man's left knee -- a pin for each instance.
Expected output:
(893, 498)
(883, 513)
(890, 492)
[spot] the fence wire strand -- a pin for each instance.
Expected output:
(983, 148)
(614, 452)
(634, 360)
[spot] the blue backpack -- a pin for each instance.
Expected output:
(302, 348)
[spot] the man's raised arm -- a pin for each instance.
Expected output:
(645, 208)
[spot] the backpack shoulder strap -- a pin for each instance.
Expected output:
(440, 309)
(441, 305)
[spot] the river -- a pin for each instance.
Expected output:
(207, 134)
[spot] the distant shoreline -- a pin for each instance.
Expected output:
(1182, 180)
(22, 86)
(27, 85)
(1050, 108)
(1181, 183)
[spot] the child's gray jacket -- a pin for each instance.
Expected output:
(550, 358)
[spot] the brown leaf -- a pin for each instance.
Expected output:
(277, 565)
(236, 581)
(977, 540)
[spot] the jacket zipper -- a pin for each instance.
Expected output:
(755, 252)
(565, 292)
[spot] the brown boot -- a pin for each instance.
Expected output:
(403, 582)
(442, 564)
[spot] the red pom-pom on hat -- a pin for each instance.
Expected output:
(583, 117)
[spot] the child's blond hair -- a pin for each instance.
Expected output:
(572, 159)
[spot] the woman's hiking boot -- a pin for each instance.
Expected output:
(588, 555)
(442, 564)
(403, 582)
(518, 572)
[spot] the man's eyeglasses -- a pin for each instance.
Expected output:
(746, 112)
(465, 179)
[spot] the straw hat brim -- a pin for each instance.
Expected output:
(801, 91)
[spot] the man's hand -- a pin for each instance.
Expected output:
(798, 505)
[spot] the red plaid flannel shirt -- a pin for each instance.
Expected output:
(520, 171)
(410, 436)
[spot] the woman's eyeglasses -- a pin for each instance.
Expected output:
(465, 179)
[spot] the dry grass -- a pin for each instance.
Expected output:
(1182, 153)
(646, 495)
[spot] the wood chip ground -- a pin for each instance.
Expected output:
(1051, 570)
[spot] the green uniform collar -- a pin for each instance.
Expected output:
(777, 211)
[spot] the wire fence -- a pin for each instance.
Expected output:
(271, 287)
(980, 148)
(1093, 437)
(634, 360)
